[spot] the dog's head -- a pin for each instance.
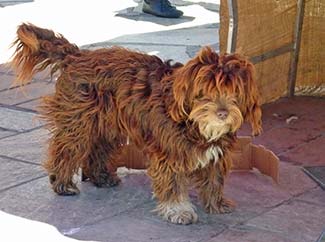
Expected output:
(217, 93)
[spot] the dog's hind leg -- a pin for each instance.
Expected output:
(96, 168)
(71, 122)
(66, 154)
(209, 182)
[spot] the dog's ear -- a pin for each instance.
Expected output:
(251, 97)
(236, 75)
(254, 117)
(184, 82)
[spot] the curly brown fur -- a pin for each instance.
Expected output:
(184, 118)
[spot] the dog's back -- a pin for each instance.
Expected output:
(114, 66)
(38, 48)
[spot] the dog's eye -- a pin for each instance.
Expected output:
(200, 95)
(235, 102)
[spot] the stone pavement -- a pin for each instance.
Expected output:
(291, 211)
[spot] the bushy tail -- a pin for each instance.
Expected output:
(37, 48)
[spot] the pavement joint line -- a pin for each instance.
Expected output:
(4, 129)
(22, 183)
(309, 202)
(10, 130)
(27, 101)
(7, 73)
(268, 209)
(304, 142)
(16, 108)
(114, 215)
(226, 228)
(260, 229)
(22, 132)
(19, 160)
(16, 132)
(9, 135)
(34, 80)
(110, 43)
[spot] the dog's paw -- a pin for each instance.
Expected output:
(182, 217)
(178, 213)
(222, 206)
(66, 190)
(106, 180)
(60, 188)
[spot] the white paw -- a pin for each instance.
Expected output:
(178, 212)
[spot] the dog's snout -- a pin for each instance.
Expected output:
(222, 114)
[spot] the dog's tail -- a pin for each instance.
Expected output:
(37, 48)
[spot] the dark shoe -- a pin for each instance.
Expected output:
(161, 8)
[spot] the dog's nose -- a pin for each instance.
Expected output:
(222, 114)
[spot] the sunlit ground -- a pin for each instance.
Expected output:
(86, 22)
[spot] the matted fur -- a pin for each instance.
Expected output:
(184, 118)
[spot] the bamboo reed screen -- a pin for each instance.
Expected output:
(284, 38)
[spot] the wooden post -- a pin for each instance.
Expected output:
(296, 47)
(233, 26)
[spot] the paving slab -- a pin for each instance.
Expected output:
(13, 173)
(315, 196)
(253, 189)
(6, 69)
(248, 234)
(8, 76)
(176, 53)
(165, 52)
(306, 109)
(298, 105)
(293, 180)
(5, 133)
(5, 82)
(128, 228)
(200, 35)
(27, 93)
(18, 120)
(36, 200)
(282, 139)
(297, 221)
(29, 146)
(276, 115)
(31, 105)
(309, 153)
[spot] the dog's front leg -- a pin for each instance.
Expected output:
(170, 189)
(209, 182)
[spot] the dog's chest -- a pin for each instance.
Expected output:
(213, 153)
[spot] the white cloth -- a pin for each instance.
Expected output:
(17, 229)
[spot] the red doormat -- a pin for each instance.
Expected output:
(317, 173)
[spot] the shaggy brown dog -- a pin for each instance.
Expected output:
(184, 118)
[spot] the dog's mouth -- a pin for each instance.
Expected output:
(214, 121)
(212, 131)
